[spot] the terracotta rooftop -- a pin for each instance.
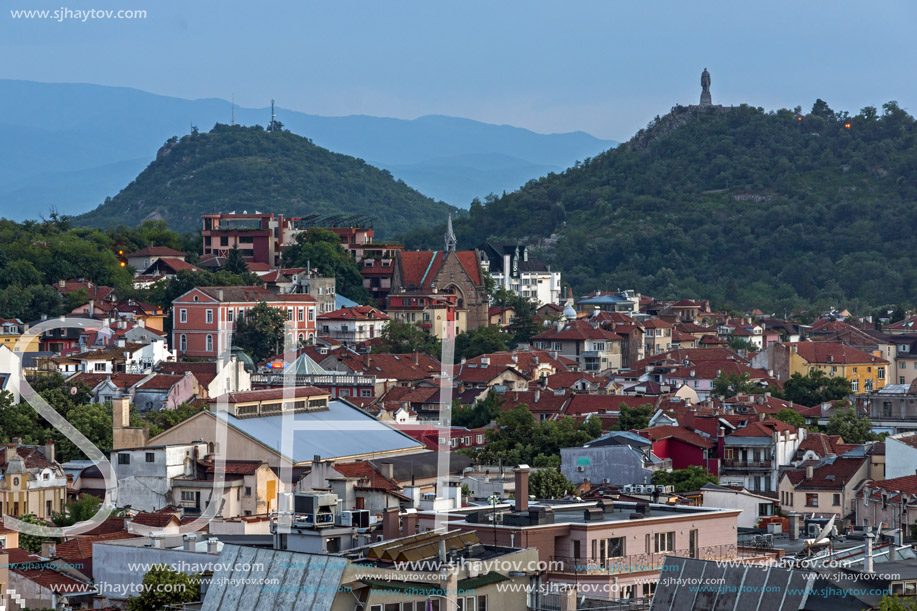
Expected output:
(418, 268)
(830, 474)
(826, 353)
(157, 251)
(658, 433)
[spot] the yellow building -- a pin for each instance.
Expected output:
(31, 481)
(11, 329)
(866, 372)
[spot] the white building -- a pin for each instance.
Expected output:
(352, 325)
(900, 455)
(511, 268)
(145, 475)
(753, 506)
(10, 372)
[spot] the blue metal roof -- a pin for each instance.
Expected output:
(340, 431)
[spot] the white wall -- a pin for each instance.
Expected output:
(900, 458)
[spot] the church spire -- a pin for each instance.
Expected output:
(450, 236)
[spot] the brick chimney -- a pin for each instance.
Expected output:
(49, 450)
(522, 487)
(416, 359)
(391, 527)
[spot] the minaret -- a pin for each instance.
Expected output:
(450, 236)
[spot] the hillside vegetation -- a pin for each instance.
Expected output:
(248, 168)
(777, 210)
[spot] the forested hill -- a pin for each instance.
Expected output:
(776, 210)
(236, 168)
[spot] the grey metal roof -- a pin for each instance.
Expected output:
(340, 431)
(246, 577)
(701, 585)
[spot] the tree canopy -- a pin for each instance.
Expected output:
(260, 333)
(322, 250)
(405, 337)
(815, 388)
(550, 484)
(684, 480)
(854, 429)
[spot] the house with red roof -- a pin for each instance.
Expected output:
(38, 584)
(592, 347)
(826, 488)
(33, 482)
(866, 371)
(533, 364)
(353, 325)
(389, 369)
(889, 502)
(472, 375)
(684, 447)
(753, 455)
(446, 271)
(145, 257)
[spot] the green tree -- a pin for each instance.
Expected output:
(684, 480)
(731, 384)
(31, 543)
(483, 340)
(261, 332)
(854, 429)
(322, 250)
(163, 587)
(159, 422)
(78, 510)
(480, 414)
(896, 603)
(404, 337)
(791, 417)
(94, 420)
(815, 388)
(632, 418)
(550, 484)
(235, 262)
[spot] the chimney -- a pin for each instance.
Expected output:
(367, 360)
(213, 545)
(48, 549)
(410, 523)
(391, 529)
(190, 542)
(522, 487)
(121, 412)
(388, 470)
(810, 472)
(867, 559)
(49, 450)
(416, 359)
(10, 451)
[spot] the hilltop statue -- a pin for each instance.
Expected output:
(705, 99)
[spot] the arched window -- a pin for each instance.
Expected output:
(183, 342)
(209, 343)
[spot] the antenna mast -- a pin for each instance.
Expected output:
(273, 118)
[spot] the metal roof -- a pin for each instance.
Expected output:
(306, 581)
(339, 431)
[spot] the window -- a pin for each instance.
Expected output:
(366, 392)
(187, 495)
(183, 315)
(209, 343)
(124, 459)
(299, 314)
(836, 501)
(608, 548)
(764, 509)
(183, 343)
(289, 313)
(665, 542)
(209, 317)
(99, 367)
(229, 314)
(881, 371)
(812, 499)
(482, 603)
(248, 491)
(150, 457)
(854, 385)
(311, 314)
(479, 439)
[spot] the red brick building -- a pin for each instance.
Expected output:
(204, 317)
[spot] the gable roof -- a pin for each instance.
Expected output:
(834, 353)
(658, 433)
(577, 330)
(831, 473)
(156, 251)
(419, 268)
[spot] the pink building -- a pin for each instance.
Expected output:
(204, 317)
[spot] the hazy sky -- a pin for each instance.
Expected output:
(603, 67)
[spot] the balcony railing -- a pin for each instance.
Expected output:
(278, 379)
(733, 463)
(640, 563)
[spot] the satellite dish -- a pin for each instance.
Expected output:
(73, 390)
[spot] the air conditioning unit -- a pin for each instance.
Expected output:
(627, 489)
(660, 489)
(580, 469)
(813, 529)
(641, 489)
(670, 489)
(345, 518)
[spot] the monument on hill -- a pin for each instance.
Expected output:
(705, 99)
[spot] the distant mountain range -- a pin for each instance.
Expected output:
(72, 145)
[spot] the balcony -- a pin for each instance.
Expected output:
(747, 465)
(648, 563)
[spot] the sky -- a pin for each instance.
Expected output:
(603, 67)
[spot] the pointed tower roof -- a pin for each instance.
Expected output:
(450, 236)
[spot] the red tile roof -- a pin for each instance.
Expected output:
(577, 330)
(354, 313)
(161, 381)
(418, 268)
(155, 520)
(658, 433)
(204, 372)
(765, 428)
(834, 352)
(369, 476)
(157, 251)
(831, 475)
(472, 374)
(120, 380)
(524, 361)
(392, 366)
(593, 404)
